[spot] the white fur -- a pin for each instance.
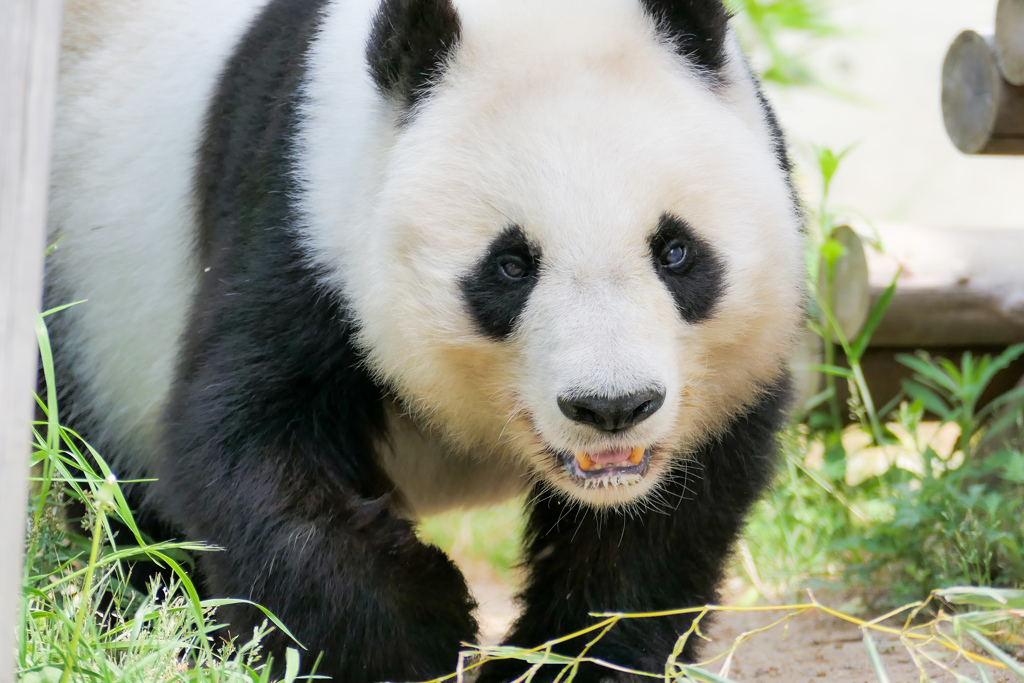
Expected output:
(135, 83)
(570, 119)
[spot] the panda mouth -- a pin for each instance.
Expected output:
(614, 467)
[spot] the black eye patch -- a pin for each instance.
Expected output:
(498, 287)
(688, 266)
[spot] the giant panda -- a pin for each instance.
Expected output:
(347, 263)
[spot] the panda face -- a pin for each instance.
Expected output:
(581, 257)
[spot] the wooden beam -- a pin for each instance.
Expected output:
(1009, 40)
(29, 50)
(984, 114)
(957, 288)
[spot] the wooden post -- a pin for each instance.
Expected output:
(1009, 40)
(984, 114)
(29, 52)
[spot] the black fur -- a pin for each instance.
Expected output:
(583, 561)
(778, 144)
(409, 43)
(495, 301)
(696, 284)
(269, 449)
(697, 28)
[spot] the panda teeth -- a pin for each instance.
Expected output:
(594, 476)
(611, 481)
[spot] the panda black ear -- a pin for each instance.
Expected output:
(696, 27)
(409, 43)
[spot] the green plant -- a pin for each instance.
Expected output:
(780, 35)
(955, 518)
(826, 251)
(922, 516)
(80, 618)
(954, 393)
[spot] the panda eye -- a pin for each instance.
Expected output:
(512, 267)
(674, 255)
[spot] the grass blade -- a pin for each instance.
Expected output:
(980, 596)
(997, 652)
(860, 343)
(291, 667)
(876, 659)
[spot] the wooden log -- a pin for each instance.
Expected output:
(957, 288)
(851, 300)
(29, 48)
(851, 287)
(984, 114)
(1009, 40)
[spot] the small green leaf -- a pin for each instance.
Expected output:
(833, 370)
(218, 602)
(860, 343)
(702, 675)
(831, 251)
(928, 398)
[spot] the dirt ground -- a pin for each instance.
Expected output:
(814, 648)
(818, 647)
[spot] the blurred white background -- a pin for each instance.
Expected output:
(904, 169)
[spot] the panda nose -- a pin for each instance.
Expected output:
(613, 414)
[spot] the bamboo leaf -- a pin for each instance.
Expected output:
(860, 342)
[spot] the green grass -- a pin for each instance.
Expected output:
(80, 619)
(488, 536)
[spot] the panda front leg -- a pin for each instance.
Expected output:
(344, 572)
(667, 555)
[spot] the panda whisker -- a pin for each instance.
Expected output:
(513, 438)
(508, 421)
(566, 509)
(580, 523)
(490, 205)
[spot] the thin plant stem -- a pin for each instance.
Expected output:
(97, 533)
